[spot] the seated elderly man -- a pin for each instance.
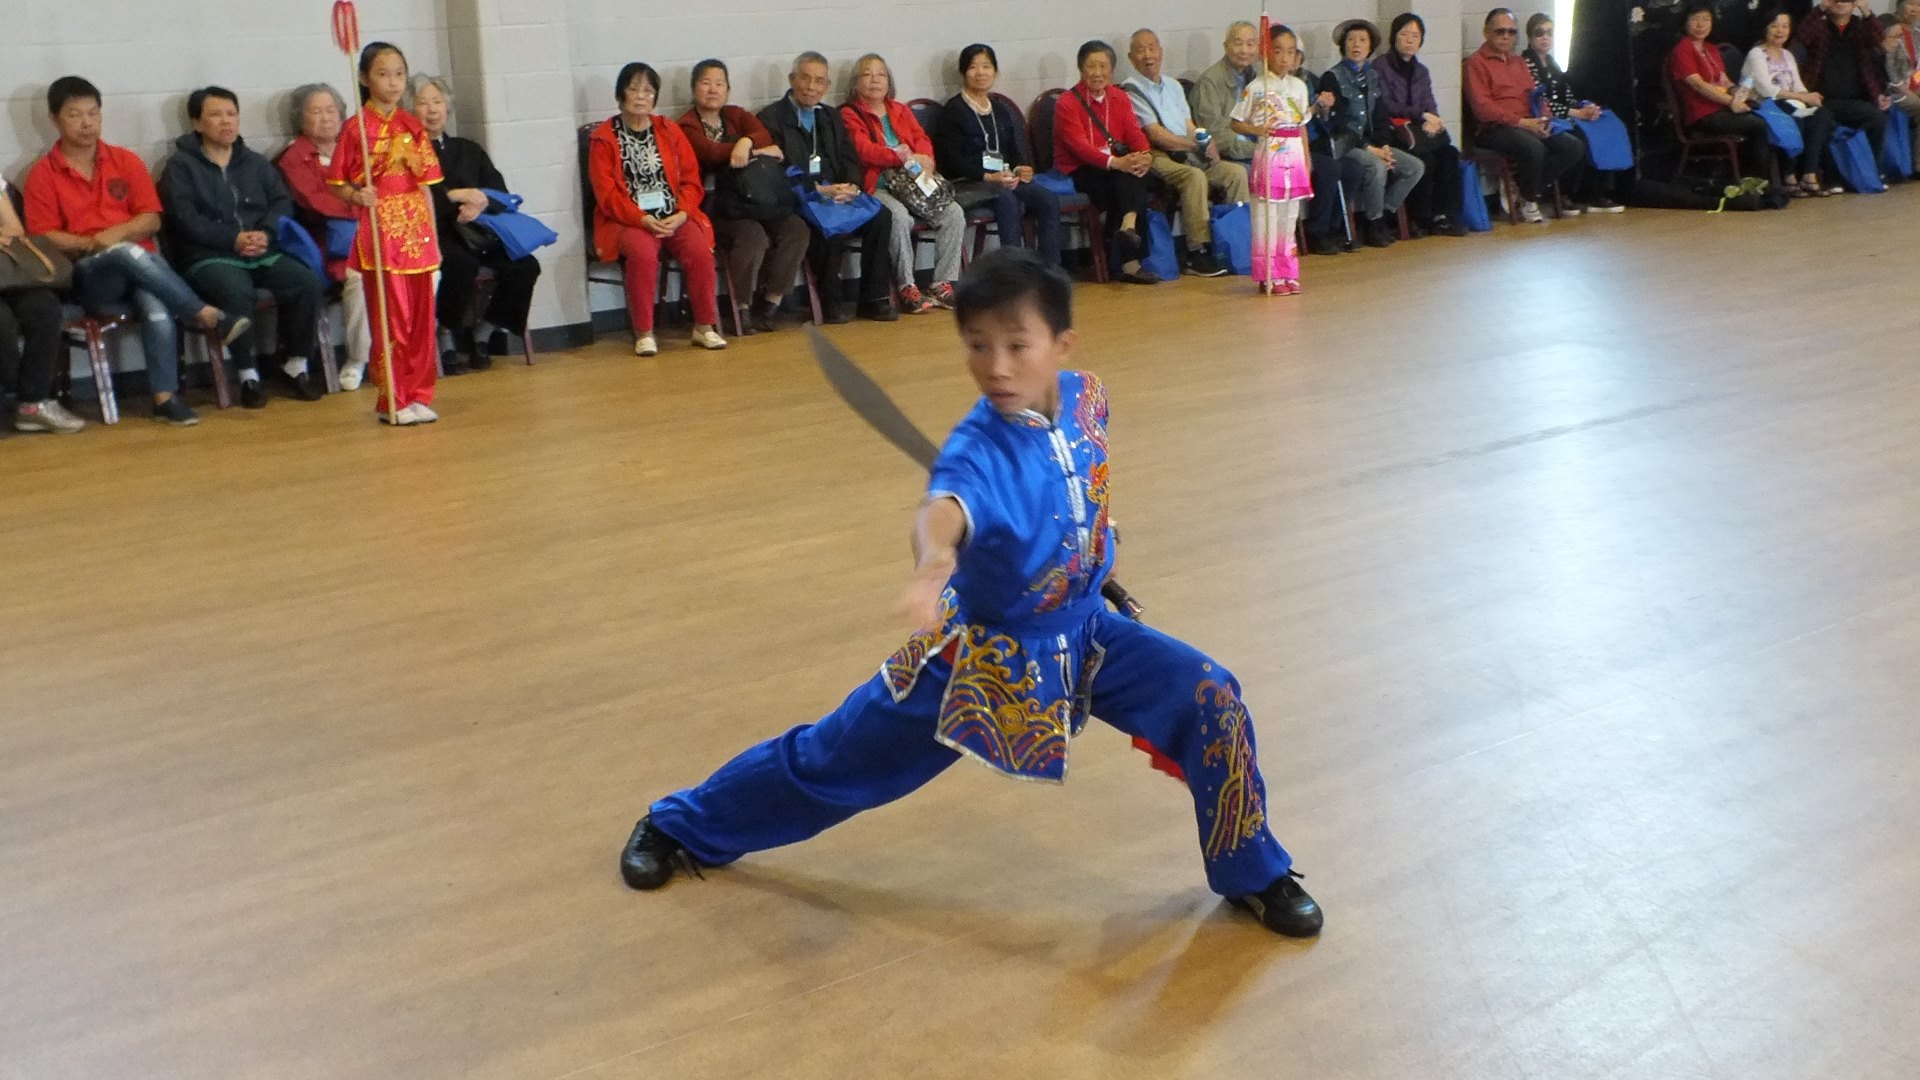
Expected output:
(813, 139)
(1185, 157)
(1844, 66)
(96, 203)
(225, 203)
(1511, 118)
(1218, 90)
(465, 248)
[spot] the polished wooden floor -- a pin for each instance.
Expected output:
(1573, 573)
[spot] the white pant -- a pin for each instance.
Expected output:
(353, 305)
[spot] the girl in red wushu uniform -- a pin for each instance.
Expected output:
(403, 165)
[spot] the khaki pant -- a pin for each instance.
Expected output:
(1192, 186)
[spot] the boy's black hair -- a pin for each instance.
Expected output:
(197, 101)
(1004, 278)
(66, 88)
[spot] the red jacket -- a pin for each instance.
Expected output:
(1499, 88)
(1077, 140)
(737, 123)
(870, 139)
(613, 205)
(307, 181)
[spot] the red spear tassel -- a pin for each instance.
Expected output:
(1159, 760)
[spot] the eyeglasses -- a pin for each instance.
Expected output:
(1509, 32)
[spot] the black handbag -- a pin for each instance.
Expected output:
(479, 239)
(759, 191)
(921, 203)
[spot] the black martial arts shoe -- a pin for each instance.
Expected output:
(1282, 907)
(652, 856)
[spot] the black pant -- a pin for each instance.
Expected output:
(1117, 194)
(1816, 138)
(1437, 195)
(826, 253)
(296, 297)
(1750, 129)
(1536, 162)
(1865, 115)
(514, 280)
(1590, 185)
(29, 343)
(1323, 210)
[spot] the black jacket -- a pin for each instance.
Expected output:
(960, 138)
(839, 164)
(465, 164)
(209, 207)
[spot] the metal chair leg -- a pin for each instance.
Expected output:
(102, 375)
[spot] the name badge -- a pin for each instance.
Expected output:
(927, 183)
(813, 165)
(653, 200)
(992, 163)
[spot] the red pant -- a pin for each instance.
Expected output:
(409, 306)
(692, 245)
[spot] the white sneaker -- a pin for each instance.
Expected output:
(644, 345)
(1573, 209)
(46, 415)
(1530, 213)
(422, 412)
(407, 416)
(706, 337)
(352, 375)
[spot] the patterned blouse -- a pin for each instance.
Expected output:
(644, 171)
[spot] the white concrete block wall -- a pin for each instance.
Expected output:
(147, 55)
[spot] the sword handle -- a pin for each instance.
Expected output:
(1122, 600)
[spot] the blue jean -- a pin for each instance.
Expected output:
(127, 273)
(873, 750)
(1036, 204)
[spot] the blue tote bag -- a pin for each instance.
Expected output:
(829, 218)
(1473, 200)
(520, 234)
(1853, 156)
(1607, 142)
(296, 241)
(1162, 258)
(340, 236)
(1783, 131)
(1057, 182)
(1896, 154)
(1233, 236)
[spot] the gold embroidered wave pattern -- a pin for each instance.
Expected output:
(406, 219)
(1238, 815)
(998, 708)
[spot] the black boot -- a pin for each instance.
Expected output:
(763, 316)
(1378, 233)
(652, 856)
(1282, 907)
(1322, 244)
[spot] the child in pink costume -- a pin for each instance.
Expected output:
(1274, 109)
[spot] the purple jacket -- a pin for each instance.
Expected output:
(1406, 99)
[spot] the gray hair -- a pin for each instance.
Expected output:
(305, 94)
(438, 82)
(1241, 24)
(805, 58)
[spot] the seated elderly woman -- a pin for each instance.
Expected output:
(1773, 73)
(1363, 132)
(1710, 105)
(1097, 142)
(1592, 188)
(646, 196)
(1406, 92)
(978, 145)
(899, 170)
(30, 344)
(466, 247)
(752, 211)
(318, 112)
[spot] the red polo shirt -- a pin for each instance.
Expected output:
(60, 199)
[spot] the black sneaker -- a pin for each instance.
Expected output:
(253, 395)
(1142, 276)
(1203, 264)
(1446, 226)
(1604, 205)
(452, 363)
(878, 311)
(651, 857)
(834, 314)
(1377, 233)
(301, 385)
(496, 344)
(176, 412)
(1322, 244)
(763, 316)
(1282, 907)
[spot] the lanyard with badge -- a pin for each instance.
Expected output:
(813, 158)
(991, 160)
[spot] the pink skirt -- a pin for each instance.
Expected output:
(1280, 167)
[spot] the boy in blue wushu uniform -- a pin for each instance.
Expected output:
(1016, 649)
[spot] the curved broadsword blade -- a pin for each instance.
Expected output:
(871, 402)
